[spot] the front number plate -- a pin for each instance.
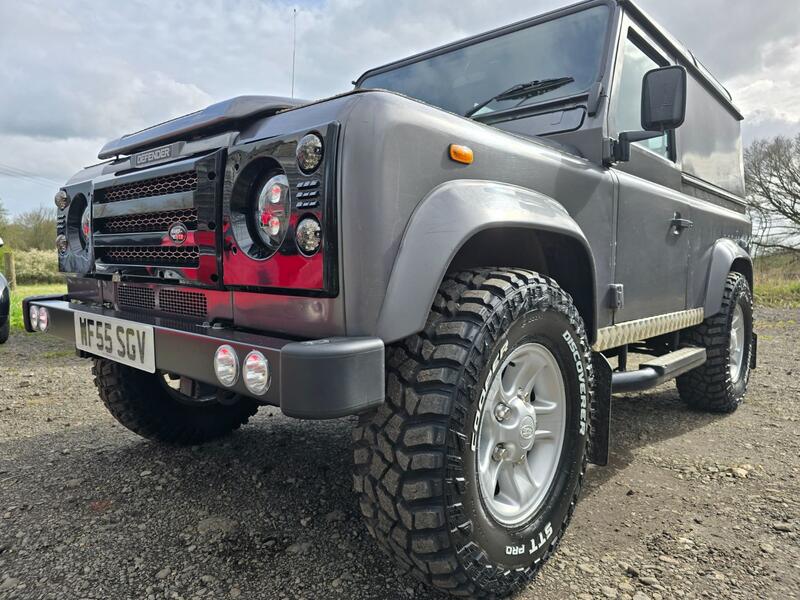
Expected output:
(128, 343)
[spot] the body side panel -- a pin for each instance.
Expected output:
(395, 151)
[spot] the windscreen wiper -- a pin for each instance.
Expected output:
(524, 90)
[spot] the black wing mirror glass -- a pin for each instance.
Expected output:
(664, 99)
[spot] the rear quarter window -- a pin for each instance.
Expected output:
(710, 141)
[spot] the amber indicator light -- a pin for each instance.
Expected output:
(462, 154)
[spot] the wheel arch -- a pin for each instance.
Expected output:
(727, 256)
(467, 223)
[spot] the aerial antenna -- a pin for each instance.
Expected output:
(294, 47)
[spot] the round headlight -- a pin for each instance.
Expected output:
(226, 365)
(33, 313)
(309, 153)
(86, 225)
(61, 199)
(61, 243)
(256, 373)
(308, 235)
(271, 212)
(44, 319)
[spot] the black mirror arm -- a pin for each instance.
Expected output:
(622, 148)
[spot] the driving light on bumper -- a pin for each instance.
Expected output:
(43, 319)
(226, 365)
(33, 314)
(256, 373)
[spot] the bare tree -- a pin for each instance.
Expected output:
(3, 215)
(32, 230)
(772, 173)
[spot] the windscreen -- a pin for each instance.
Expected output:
(562, 57)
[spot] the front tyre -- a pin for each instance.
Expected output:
(469, 473)
(720, 384)
(145, 404)
(5, 331)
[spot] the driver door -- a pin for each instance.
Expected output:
(652, 255)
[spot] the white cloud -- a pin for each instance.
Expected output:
(75, 75)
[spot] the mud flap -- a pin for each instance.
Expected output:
(600, 432)
(754, 353)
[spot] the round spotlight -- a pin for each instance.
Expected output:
(271, 212)
(44, 319)
(33, 313)
(86, 225)
(61, 199)
(61, 243)
(226, 365)
(256, 373)
(308, 235)
(309, 153)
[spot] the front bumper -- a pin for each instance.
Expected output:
(317, 379)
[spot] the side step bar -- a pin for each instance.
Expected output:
(658, 370)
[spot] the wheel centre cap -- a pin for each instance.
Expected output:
(527, 431)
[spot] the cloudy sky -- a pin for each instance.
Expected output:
(75, 74)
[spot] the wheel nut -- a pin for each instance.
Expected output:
(500, 452)
(501, 412)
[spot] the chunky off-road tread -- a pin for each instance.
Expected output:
(709, 387)
(139, 402)
(5, 331)
(408, 470)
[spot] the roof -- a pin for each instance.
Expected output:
(687, 56)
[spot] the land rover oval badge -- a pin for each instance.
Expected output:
(178, 233)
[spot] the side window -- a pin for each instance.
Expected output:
(628, 112)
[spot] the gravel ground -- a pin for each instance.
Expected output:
(691, 506)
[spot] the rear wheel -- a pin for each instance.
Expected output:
(153, 406)
(721, 383)
(469, 473)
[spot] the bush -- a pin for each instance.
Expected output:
(37, 266)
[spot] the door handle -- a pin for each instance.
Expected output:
(678, 224)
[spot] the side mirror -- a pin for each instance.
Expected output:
(663, 108)
(664, 99)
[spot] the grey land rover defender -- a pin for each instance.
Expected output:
(455, 253)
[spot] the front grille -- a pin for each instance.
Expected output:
(168, 256)
(136, 297)
(149, 222)
(176, 302)
(189, 304)
(167, 184)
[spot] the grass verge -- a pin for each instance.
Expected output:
(781, 293)
(778, 280)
